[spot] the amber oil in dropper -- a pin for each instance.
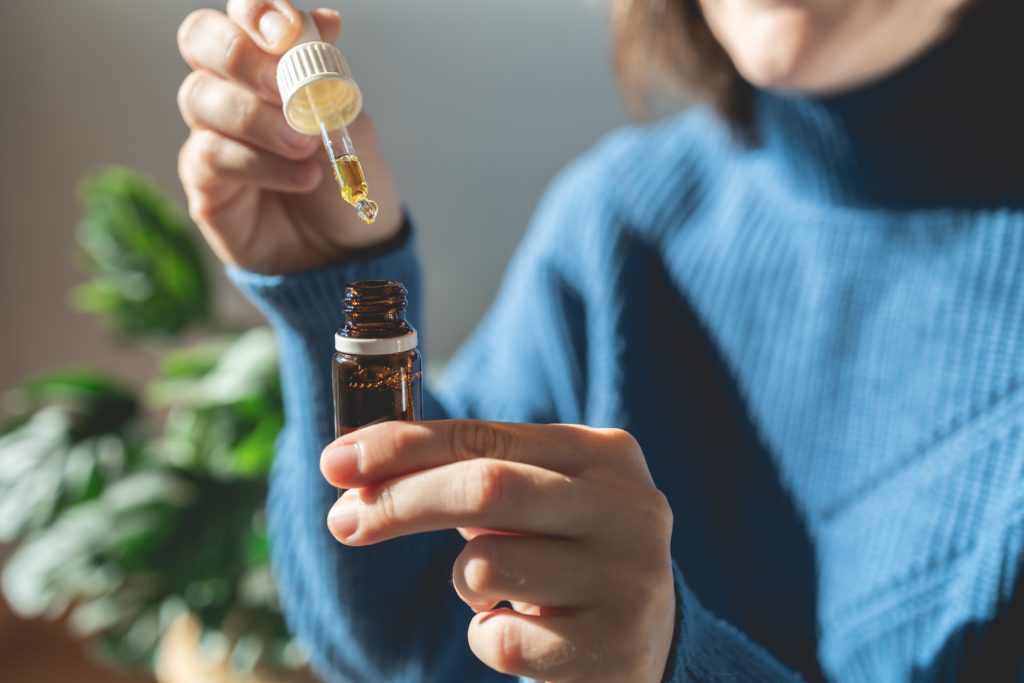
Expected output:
(351, 180)
(345, 165)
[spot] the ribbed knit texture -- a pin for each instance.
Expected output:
(817, 339)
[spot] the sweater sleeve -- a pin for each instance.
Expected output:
(708, 649)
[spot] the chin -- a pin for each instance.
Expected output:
(770, 72)
(769, 43)
(824, 47)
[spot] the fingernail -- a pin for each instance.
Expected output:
(273, 25)
(341, 462)
(343, 519)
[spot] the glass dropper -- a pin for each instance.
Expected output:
(348, 171)
(319, 96)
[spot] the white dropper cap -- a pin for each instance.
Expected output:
(337, 98)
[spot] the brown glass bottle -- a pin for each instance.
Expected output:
(377, 368)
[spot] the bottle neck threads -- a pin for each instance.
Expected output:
(375, 310)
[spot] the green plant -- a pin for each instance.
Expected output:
(128, 510)
(146, 271)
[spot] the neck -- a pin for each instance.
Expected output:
(947, 130)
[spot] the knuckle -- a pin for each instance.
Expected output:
(246, 10)
(199, 164)
(233, 54)
(507, 645)
(206, 147)
(477, 439)
(247, 111)
(200, 209)
(622, 441)
(657, 516)
(640, 590)
(396, 437)
(622, 452)
(187, 93)
(479, 572)
(183, 158)
(664, 509)
(217, 96)
(479, 575)
(486, 487)
(187, 160)
(385, 505)
(200, 212)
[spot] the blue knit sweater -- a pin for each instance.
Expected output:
(817, 337)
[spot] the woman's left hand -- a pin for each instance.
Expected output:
(562, 521)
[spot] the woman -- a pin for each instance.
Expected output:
(795, 328)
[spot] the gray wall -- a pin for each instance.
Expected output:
(478, 103)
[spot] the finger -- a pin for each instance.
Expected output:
(549, 648)
(272, 24)
(210, 160)
(328, 21)
(539, 571)
(276, 25)
(379, 452)
(209, 40)
(483, 493)
(208, 101)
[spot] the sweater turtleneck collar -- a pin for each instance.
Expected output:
(944, 131)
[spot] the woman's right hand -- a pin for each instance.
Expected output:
(262, 194)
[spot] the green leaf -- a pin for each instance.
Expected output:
(71, 440)
(147, 273)
(80, 385)
(255, 452)
(224, 420)
(97, 404)
(245, 368)
(56, 566)
(31, 464)
(194, 361)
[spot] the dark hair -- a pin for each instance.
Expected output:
(668, 43)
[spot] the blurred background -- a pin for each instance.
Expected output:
(477, 103)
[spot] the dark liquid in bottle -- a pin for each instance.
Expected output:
(372, 389)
